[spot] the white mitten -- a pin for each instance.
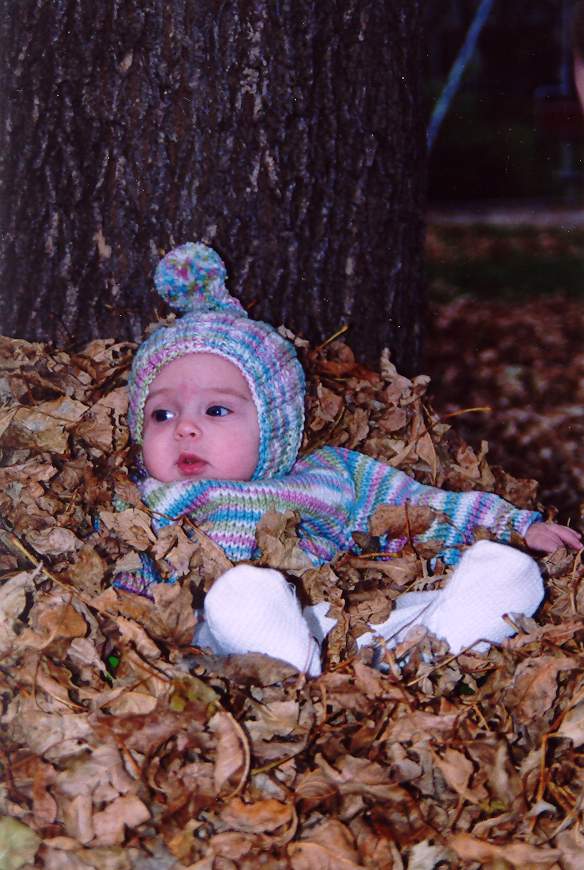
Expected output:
(319, 624)
(491, 580)
(255, 610)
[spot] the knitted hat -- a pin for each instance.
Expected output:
(191, 279)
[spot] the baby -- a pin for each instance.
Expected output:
(217, 405)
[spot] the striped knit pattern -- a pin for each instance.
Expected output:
(335, 492)
(191, 279)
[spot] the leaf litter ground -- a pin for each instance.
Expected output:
(514, 350)
(124, 747)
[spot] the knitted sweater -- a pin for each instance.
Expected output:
(335, 492)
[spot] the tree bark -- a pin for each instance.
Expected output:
(286, 133)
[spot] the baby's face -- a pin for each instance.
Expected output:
(200, 422)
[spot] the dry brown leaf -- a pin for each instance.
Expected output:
(59, 622)
(132, 526)
(45, 427)
(100, 426)
(276, 718)
(571, 846)
(277, 539)
(96, 428)
(26, 473)
(84, 656)
(572, 725)
(427, 854)
(45, 809)
(535, 685)
(128, 562)
(175, 548)
(420, 726)
(329, 407)
(393, 419)
(427, 452)
(176, 617)
(231, 846)
(7, 416)
(401, 571)
(232, 752)
(353, 775)
(517, 854)
(138, 703)
(124, 812)
(458, 771)
(258, 817)
(53, 737)
(88, 570)
(357, 428)
(50, 676)
(99, 771)
(13, 598)
(16, 353)
(53, 541)
(116, 858)
(133, 633)
(306, 855)
(504, 783)
(78, 818)
(116, 400)
(336, 838)
(126, 490)
(399, 520)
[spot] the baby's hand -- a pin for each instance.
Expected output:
(548, 537)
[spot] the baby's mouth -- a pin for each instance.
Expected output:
(190, 465)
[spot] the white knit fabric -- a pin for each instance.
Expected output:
(491, 580)
(255, 610)
(319, 624)
(252, 609)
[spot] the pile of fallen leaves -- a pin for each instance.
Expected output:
(124, 747)
(522, 365)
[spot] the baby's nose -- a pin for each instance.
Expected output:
(187, 428)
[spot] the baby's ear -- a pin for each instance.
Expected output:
(191, 278)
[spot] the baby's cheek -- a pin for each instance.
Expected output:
(150, 453)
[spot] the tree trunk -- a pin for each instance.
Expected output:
(288, 134)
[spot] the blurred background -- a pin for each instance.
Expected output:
(513, 129)
(505, 236)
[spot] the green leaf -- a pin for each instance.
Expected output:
(18, 844)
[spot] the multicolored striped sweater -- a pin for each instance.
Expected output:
(335, 492)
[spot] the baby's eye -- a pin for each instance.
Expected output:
(161, 415)
(218, 411)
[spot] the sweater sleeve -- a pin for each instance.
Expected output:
(464, 512)
(142, 579)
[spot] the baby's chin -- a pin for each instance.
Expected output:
(177, 476)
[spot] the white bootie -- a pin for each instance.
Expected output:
(490, 581)
(254, 610)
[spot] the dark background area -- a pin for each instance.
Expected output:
(514, 129)
(505, 242)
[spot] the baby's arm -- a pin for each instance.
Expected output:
(471, 509)
(463, 513)
(548, 537)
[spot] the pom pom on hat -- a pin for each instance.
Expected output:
(192, 277)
